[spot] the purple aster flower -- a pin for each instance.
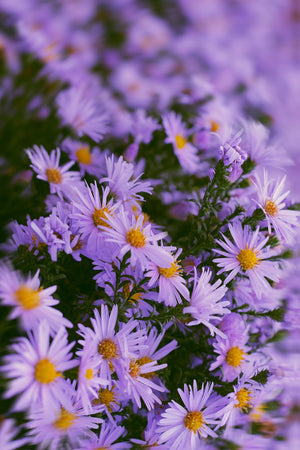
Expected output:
(79, 110)
(185, 427)
(206, 304)
(51, 426)
(122, 181)
(170, 282)
(89, 160)
(90, 211)
(246, 256)
(109, 433)
(30, 302)
(271, 200)
(177, 135)
(131, 235)
(109, 345)
(231, 153)
(35, 368)
(48, 169)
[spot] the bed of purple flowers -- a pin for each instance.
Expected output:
(149, 280)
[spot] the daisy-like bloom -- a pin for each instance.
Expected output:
(232, 356)
(107, 344)
(122, 181)
(48, 169)
(81, 112)
(177, 136)
(140, 378)
(246, 256)
(150, 434)
(132, 235)
(51, 427)
(89, 160)
(90, 211)
(184, 427)
(109, 433)
(30, 302)
(271, 198)
(108, 398)
(206, 303)
(170, 282)
(89, 381)
(137, 381)
(36, 367)
(8, 432)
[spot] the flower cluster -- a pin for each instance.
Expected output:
(149, 282)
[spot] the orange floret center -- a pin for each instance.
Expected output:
(180, 141)
(270, 208)
(244, 399)
(169, 272)
(134, 369)
(247, 259)
(45, 371)
(53, 175)
(89, 374)
(235, 356)
(28, 298)
(100, 216)
(193, 421)
(106, 397)
(141, 362)
(135, 237)
(108, 349)
(214, 126)
(83, 155)
(65, 420)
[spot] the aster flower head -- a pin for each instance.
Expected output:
(207, 303)
(232, 356)
(90, 211)
(271, 199)
(122, 181)
(177, 135)
(132, 235)
(48, 169)
(232, 153)
(108, 344)
(90, 160)
(185, 427)
(35, 368)
(78, 110)
(30, 302)
(170, 282)
(109, 433)
(51, 427)
(246, 256)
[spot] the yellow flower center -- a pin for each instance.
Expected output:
(106, 397)
(235, 356)
(108, 349)
(89, 374)
(180, 141)
(247, 259)
(133, 298)
(53, 175)
(193, 421)
(134, 369)
(100, 216)
(257, 413)
(28, 298)
(135, 237)
(214, 126)
(83, 155)
(170, 271)
(65, 420)
(45, 371)
(270, 208)
(244, 399)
